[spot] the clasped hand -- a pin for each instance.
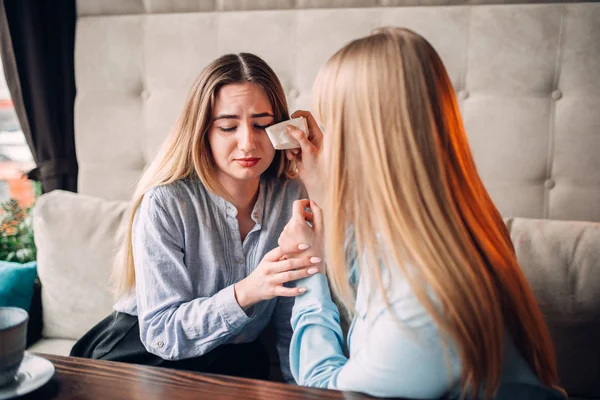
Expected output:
(300, 254)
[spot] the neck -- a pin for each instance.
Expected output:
(243, 193)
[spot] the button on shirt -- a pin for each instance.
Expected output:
(188, 255)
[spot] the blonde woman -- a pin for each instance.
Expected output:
(441, 306)
(199, 276)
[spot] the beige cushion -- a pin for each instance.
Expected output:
(561, 261)
(61, 347)
(525, 74)
(75, 236)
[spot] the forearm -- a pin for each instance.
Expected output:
(316, 350)
(192, 328)
(390, 361)
(244, 295)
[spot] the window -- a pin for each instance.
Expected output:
(15, 156)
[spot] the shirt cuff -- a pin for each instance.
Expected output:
(317, 293)
(230, 309)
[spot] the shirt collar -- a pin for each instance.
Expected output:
(230, 210)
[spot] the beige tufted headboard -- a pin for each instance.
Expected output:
(527, 76)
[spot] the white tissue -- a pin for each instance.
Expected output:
(280, 138)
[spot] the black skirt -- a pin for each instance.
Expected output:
(117, 338)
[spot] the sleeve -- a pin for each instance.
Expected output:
(282, 314)
(173, 324)
(391, 362)
(283, 334)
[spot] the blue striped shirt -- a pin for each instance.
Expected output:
(188, 254)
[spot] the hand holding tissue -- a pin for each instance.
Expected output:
(281, 139)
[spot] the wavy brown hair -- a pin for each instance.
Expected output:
(186, 151)
(393, 124)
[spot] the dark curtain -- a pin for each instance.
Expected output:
(37, 39)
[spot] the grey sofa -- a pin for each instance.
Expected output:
(526, 76)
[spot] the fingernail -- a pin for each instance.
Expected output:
(315, 260)
(295, 151)
(303, 246)
(312, 271)
(302, 290)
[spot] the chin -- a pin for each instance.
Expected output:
(247, 174)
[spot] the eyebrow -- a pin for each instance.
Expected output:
(230, 116)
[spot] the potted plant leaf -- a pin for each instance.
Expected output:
(16, 233)
(18, 266)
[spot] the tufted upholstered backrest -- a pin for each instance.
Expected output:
(526, 76)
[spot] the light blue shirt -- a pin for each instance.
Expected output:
(390, 356)
(188, 254)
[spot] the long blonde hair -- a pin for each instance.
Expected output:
(393, 124)
(186, 151)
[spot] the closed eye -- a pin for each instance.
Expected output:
(233, 128)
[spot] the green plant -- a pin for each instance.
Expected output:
(16, 232)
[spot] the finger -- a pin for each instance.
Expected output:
(291, 246)
(274, 255)
(299, 209)
(309, 217)
(314, 129)
(290, 155)
(301, 137)
(290, 276)
(300, 113)
(294, 247)
(317, 213)
(294, 263)
(282, 291)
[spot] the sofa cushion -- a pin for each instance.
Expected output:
(77, 236)
(76, 239)
(16, 284)
(561, 260)
(61, 347)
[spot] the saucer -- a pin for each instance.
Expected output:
(33, 373)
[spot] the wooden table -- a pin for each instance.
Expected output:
(80, 378)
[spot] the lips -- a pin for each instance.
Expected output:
(248, 162)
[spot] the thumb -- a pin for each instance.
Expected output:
(298, 209)
(317, 216)
(300, 136)
(274, 255)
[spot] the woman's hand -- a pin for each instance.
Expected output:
(308, 157)
(266, 281)
(301, 240)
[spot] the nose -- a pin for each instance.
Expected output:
(246, 142)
